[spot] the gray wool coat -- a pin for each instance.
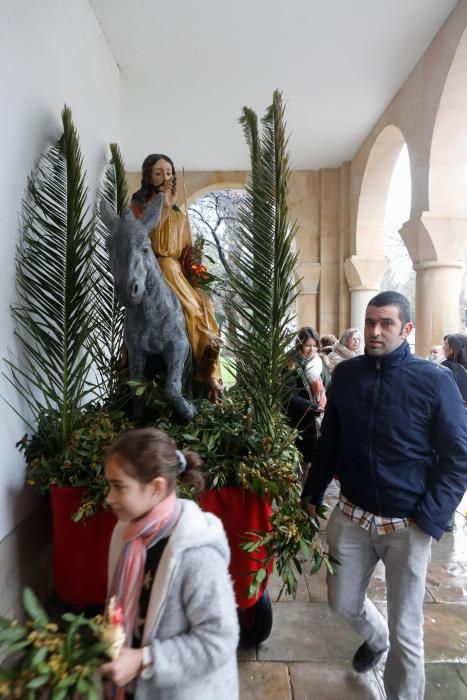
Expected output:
(191, 624)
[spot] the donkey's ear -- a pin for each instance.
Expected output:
(109, 215)
(152, 214)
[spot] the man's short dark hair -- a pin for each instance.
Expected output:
(393, 299)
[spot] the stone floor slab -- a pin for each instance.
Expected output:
(447, 582)
(446, 632)
(451, 547)
(462, 670)
(311, 681)
(264, 681)
(316, 585)
(443, 682)
(308, 632)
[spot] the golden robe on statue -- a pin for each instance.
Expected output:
(168, 240)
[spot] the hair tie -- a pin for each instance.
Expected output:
(181, 462)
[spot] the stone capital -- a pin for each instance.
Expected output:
(310, 273)
(364, 273)
(433, 238)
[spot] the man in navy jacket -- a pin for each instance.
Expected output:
(395, 435)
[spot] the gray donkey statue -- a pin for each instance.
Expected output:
(154, 320)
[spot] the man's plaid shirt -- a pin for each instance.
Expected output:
(383, 525)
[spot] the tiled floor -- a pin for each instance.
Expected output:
(307, 656)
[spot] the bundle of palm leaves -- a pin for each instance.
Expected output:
(263, 290)
(54, 286)
(261, 271)
(69, 326)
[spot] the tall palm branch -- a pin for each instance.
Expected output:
(107, 348)
(262, 270)
(52, 311)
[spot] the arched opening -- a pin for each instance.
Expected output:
(369, 234)
(400, 275)
(448, 156)
(366, 266)
(212, 216)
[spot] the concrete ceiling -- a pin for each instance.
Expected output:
(188, 68)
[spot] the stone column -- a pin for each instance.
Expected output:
(437, 309)
(364, 277)
(436, 244)
(359, 298)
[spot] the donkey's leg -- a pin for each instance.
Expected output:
(175, 354)
(136, 363)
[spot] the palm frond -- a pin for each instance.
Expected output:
(108, 339)
(53, 263)
(262, 270)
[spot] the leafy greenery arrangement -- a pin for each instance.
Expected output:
(46, 661)
(195, 269)
(79, 461)
(236, 453)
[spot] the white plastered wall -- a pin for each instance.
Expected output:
(52, 52)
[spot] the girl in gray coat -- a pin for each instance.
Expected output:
(168, 569)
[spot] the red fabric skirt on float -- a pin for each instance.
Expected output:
(241, 512)
(80, 550)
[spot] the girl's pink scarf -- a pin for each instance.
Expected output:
(138, 536)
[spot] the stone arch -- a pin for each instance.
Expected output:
(437, 239)
(199, 184)
(448, 156)
(374, 191)
(213, 188)
(366, 265)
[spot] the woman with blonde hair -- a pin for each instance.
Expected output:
(345, 348)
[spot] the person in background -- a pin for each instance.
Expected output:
(305, 401)
(168, 570)
(455, 359)
(436, 354)
(327, 341)
(345, 348)
(395, 435)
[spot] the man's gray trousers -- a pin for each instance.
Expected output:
(405, 554)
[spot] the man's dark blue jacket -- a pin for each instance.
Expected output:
(395, 435)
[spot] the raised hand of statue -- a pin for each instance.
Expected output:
(169, 189)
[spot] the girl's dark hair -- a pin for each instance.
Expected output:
(458, 344)
(305, 334)
(149, 453)
(147, 189)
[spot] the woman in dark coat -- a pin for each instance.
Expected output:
(301, 406)
(455, 351)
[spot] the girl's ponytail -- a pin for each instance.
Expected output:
(190, 470)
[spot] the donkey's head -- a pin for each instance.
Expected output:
(130, 253)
